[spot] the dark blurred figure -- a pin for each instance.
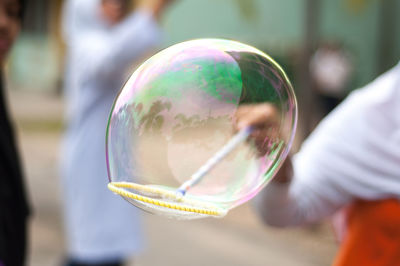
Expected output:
(13, 203)
(349, 166)
(104, 38)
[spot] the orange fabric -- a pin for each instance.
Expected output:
(373, 236)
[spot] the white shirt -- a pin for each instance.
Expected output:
(99, 224)
(353, 154)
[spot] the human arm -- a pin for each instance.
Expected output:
(106, 52)
(352, 154)
(291, 198)
(262, 117)
(156, 7)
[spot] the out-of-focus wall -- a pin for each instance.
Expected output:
(358, 25)
(266, 24)
(36, 61)
(34, 64)
(277, 27)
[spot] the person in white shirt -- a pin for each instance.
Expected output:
(353, 156)
(103, 40)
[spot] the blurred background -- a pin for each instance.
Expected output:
(360, 39)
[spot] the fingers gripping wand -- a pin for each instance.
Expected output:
(237, 139)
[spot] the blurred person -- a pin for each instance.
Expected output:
(103, 39)
(14, 209)
(348, 169)
(330, 68)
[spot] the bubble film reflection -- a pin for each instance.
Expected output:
(177, 111)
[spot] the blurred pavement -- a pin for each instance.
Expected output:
(236, 240)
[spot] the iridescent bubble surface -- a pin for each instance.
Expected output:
(178, 109)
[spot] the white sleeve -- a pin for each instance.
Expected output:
(299, 203)
(353, 153)
(111, 52)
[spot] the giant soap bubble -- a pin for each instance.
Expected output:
(171, 147)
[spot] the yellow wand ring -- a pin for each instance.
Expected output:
(183, 203)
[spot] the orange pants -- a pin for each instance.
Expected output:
(373, 235)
